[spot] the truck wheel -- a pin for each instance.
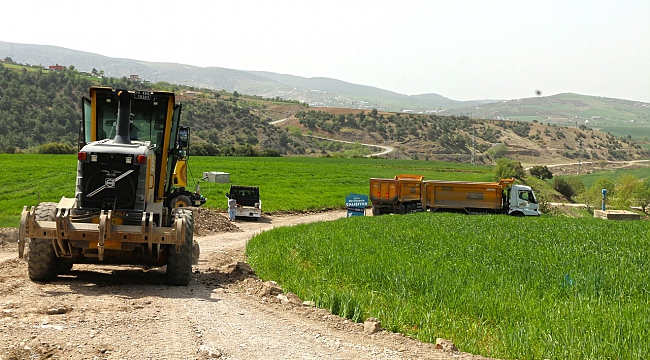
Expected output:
(374, 211)
(179, 264)
(42, 264)
(402, 209)
(180, 201)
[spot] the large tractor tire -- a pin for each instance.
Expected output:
(42, 263)
(179, 264)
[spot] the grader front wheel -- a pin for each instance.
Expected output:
(42, 263)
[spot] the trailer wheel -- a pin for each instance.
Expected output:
(402, 209)
(179, 264)
(42, 263)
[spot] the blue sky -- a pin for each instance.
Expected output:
(463, 49)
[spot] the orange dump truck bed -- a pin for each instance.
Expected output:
(403, 188)
(465, 195)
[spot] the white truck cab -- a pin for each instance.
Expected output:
(522, 201)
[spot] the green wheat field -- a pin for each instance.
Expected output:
(498, 286)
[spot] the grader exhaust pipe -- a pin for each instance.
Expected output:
(123, 117)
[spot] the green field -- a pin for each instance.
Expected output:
(588, 179)
(638, 132)
(534, 288)
(286, 184)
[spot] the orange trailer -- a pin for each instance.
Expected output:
(481, 197)
(487, 196)
(401, 195)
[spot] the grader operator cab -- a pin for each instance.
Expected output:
(130, 197)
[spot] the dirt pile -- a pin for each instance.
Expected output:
(8, 235)
(207, 221)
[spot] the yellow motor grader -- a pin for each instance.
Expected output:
(130, 199)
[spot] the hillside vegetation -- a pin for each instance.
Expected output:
(39, 107)
(460, 138)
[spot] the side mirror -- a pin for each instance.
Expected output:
(183, 137)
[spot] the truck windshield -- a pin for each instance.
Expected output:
(527, 195)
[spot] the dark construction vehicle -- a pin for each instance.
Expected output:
(130, 197)
(248, 201)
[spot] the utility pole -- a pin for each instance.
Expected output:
(474, 147)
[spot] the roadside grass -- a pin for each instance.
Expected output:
(286, 183)
(499, 286)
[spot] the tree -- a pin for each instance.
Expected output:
(625, 190)
(576, 184)
(497, 152)
(593, 196)
(563, 187)
(508, 168)
(541, 172)
(642, 195)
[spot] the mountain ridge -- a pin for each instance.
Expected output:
(260, 83)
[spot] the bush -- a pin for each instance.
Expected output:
(497, 152)
(201, 148)
(56, 148)
(541, 172)
(563, 187)
(508, 168)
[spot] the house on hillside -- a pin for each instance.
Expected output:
(56, 67)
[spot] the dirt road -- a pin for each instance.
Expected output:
(108, 312)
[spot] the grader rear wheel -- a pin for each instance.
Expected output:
(42, 263)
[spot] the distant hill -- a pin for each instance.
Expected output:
(562, 108)
(314, 91)
(40, 107)
(620, 117)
